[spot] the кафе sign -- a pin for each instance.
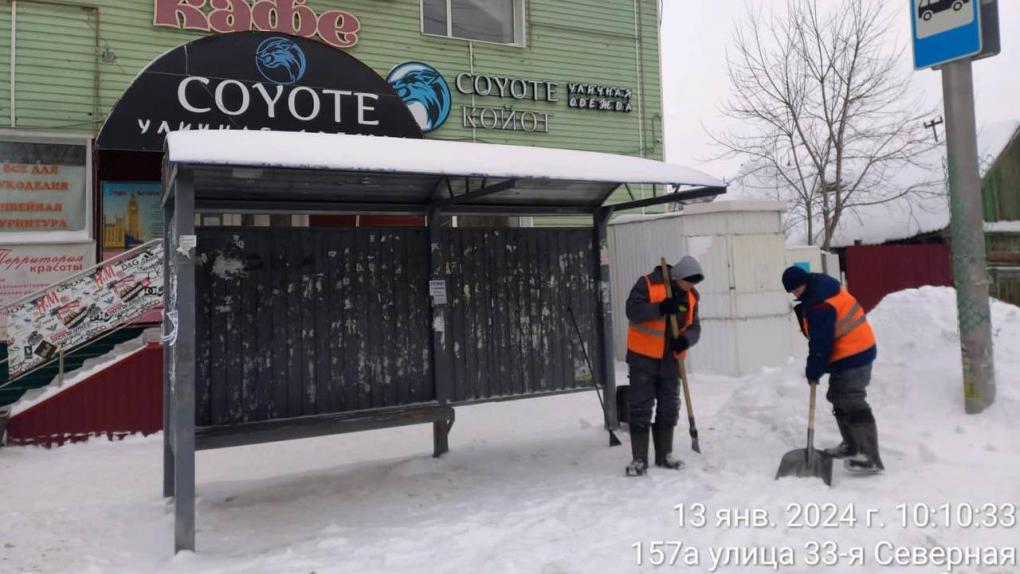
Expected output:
(338, 28)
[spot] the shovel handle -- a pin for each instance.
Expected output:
(674, 323)
(811, 404)
(687, 391)
(813, 383)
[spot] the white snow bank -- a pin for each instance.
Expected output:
(385, 154)
(917, 330)
(530, 486)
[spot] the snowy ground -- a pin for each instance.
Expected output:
(531, 487)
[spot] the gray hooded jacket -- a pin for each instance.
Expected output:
(639, 309)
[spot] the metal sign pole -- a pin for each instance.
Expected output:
(970, 275)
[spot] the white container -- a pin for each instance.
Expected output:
(744, 311)
(812, 256)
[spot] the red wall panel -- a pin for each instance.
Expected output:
(872, 272)
(124, 398)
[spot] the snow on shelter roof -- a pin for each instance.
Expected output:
(250, 165)
(438, 157)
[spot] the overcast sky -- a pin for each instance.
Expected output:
(696, 35)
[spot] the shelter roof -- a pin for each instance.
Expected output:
(397, 174)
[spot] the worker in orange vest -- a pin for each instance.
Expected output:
(653, 356)
(842, 344)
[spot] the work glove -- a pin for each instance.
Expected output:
(680, 345)
(672, 305)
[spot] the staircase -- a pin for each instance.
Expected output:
(73, 360)
(113, 296)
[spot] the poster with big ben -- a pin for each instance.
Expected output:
(131, 215)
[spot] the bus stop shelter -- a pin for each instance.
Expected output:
(277, 333)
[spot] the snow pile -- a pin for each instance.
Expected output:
(919, 348)
(932, 450)
(530, 486)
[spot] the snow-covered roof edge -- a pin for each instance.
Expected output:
(742, 205)
(1002, 226)
(345, 152)
(1001, 152)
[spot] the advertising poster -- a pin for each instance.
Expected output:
(131, 215)
(73, 312)
(42, 187)
(25, 269)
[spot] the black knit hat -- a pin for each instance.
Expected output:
(794, 277)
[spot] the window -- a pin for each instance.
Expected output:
(497, 21)
(46, 196)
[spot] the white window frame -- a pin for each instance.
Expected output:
(520, 25)
(56, 237)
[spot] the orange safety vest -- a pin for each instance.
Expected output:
(648, 338)
(853, 332)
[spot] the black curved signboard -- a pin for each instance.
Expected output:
(255, 81)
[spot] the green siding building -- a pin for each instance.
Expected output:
(1000, 192)
(65, 64)
(545, 73)
(1000, 186)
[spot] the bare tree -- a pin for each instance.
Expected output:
(827, 121)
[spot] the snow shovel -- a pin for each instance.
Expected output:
(807, 461)
(683, 369)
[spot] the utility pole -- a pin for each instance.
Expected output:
(950, 39)
(933, 126)
(967, 234)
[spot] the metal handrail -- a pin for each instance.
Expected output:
(124, 255)
(65, 350)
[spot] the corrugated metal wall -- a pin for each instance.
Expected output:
(297, 321)
(743, 306)
(874, 271)
(310, 321)
(509, 294)
(126, 397)
(56, 68)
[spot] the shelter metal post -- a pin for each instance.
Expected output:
(605, 314)
(441, 371)
(181, 249)
(168, 451)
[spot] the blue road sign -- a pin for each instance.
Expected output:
(945, 30)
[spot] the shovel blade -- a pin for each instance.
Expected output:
(801, 463)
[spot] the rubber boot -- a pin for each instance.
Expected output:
(662, 436)
(848, 447)
(639, 451)
(867, 460)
